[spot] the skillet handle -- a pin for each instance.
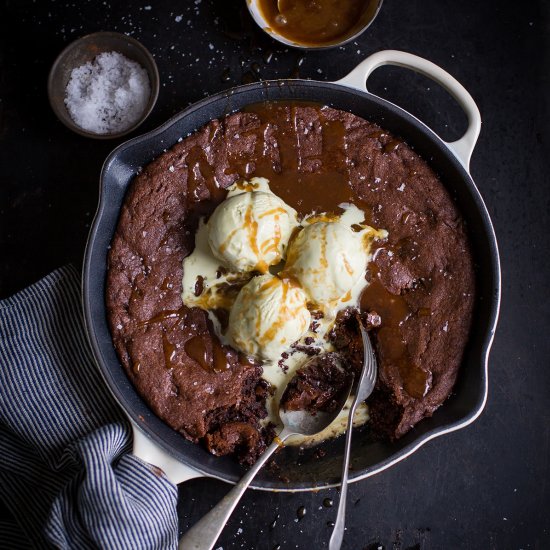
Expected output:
(146, 450)
(462, 148)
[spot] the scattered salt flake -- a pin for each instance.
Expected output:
(171, 168)
(239, 531)
(178, 18)
(401, 188)
(147, 8)
(446, 326)
(119, 326)
(211, 46)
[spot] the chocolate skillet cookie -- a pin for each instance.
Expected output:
(421, 277)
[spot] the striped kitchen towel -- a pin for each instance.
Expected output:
(66, 474)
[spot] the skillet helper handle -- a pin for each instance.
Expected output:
(204, 534)
(146, 450)
(462, 148)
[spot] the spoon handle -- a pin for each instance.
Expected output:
(203, 535)
(338, 532)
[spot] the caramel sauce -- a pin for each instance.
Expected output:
(285, 312)
(169, 350)
(252, 229)
(392, 145)
(272, 283)
(227, 242)
(177, 318)
(200, 173)
(224, 298)
(322, 218)
(272, 244)
(393, 311)
(307, 181)
(323, 259)
(247, 186)
(288, 278)
(207, 351)
(348, 267)
(377, 134)
(273, 211)
(317, 22)
(176, 314)
(165, 285)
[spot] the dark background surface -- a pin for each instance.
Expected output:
(486, 486)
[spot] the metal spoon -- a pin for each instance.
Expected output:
(203, 535)
(365, 386)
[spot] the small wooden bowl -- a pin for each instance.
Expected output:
(85, 49)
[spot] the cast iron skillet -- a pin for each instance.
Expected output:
(160, 444)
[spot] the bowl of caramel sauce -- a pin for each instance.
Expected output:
(314, 24)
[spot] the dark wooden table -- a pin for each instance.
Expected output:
(487, 486)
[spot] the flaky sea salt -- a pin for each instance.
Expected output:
(107, 95)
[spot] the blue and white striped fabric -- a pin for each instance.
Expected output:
(65, 471)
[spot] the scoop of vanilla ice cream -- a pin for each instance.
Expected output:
(250, 231)
(327, 258)
(267, 317)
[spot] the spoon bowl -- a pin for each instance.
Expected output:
(305, 423)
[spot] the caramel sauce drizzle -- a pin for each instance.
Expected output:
(178, 314)
(252, 230)
(227, 242)
(207, 352)
(285, 312)
(393, 310)
(323, 259)
(169, 350)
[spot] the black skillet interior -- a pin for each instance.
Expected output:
(302, 471)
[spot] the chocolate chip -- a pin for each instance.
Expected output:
(199, 285)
